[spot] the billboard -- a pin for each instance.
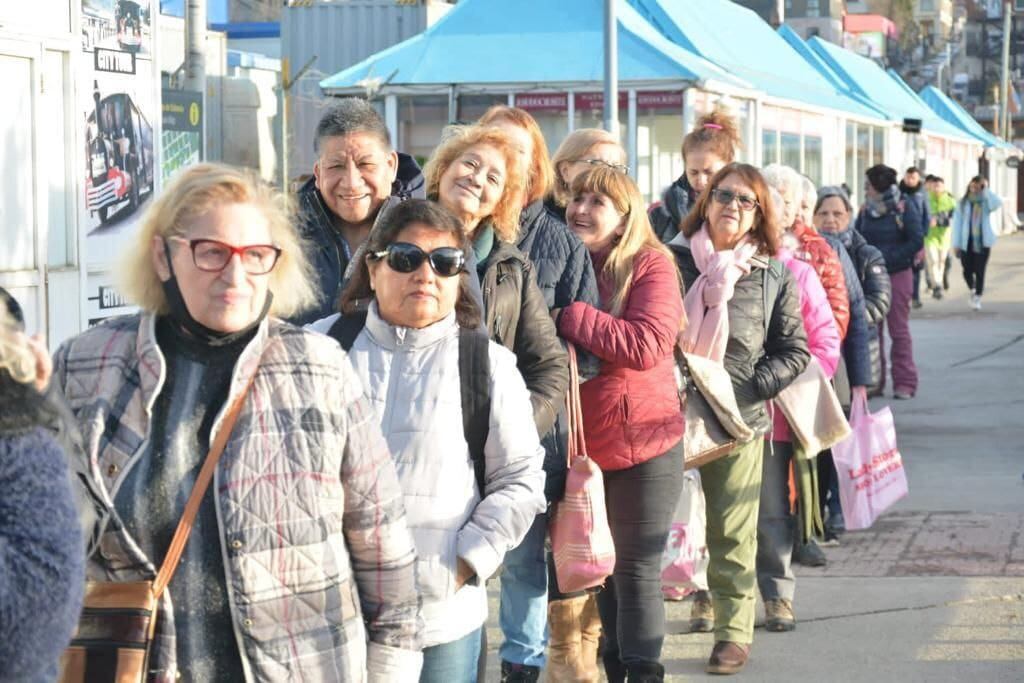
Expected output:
(117, 105)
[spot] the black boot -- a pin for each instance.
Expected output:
(519, 673)
(646, 672)
(613, 668)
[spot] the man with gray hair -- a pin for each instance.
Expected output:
(356, 177)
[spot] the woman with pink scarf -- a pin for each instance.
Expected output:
(743, 309)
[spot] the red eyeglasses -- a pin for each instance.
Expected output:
(213, 256)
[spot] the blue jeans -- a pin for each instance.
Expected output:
(453, 662)
(523, 611)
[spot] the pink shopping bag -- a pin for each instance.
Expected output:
(869, 466)
(581, 540)
(684, 563)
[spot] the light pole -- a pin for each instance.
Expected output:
(611, 69)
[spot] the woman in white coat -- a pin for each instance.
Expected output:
(412, 286)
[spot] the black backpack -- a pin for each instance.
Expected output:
(474, 382)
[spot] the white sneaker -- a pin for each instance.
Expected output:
(976, 303)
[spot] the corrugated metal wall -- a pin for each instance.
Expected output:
(340, 34)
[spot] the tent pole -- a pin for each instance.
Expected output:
(611, 71)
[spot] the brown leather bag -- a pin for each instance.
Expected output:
(115, 632)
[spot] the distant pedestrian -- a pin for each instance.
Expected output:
(939, 239)
(974, 236)
(894, 224)
(914, 191)
(357, 175)
(711, 144)
(725, 255)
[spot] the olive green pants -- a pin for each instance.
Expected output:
(732, 492)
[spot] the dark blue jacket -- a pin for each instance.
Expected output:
(899, 235)
(41, 552)
(666, 215)
(326, 250)
(856, 345)
(561, 262)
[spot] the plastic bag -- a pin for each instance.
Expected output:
(684, 563)
(869, 466)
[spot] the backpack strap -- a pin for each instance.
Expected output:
(770, 289)
(475, 386)
(346, 328)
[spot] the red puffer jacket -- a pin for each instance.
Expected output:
(631, 410)
(817, 252)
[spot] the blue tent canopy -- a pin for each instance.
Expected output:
(541, 42)
(887, 91)
(737, 39)
(951, 111)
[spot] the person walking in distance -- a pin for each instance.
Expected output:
(974, 236)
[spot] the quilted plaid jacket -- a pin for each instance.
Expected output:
(319, 562)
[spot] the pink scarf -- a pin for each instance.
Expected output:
(706, 303)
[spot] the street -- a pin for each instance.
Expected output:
(935, 590)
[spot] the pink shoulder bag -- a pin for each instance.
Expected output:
(581, 540)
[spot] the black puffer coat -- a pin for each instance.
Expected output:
(760, 366)
(874, 279)
(666, 215)
(561, 263)
(517, 318)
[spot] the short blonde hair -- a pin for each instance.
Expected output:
(538, 185)
(637, 236)
(196, 190)
(572, 149)
(16, 358)
(505, 217)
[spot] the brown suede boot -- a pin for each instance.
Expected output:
(565, 662)
(590, 637)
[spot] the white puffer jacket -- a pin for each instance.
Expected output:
(412, 378)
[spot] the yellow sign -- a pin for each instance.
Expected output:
(193, 114)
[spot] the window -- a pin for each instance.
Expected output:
(812, 159)
(813, 10)
(17, 230)
(927, 6)
(472, 107)
(790, 149)
(877, 145)
(851, 156)
(420, 122)
(770, 147)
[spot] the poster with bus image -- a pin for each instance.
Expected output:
(122, 25)
(120, 170)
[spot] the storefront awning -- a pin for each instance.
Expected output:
(737, 39)
(884, 90)
(951, 111)
(533, 43)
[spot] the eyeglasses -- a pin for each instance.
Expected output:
(621, 168)
(725, 197)
(213, 256)
(403, 257)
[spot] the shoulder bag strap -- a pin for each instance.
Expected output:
(188, 518)
(475, 388)
(346, 328)
(574, 413)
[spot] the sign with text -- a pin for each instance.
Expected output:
(543, 102)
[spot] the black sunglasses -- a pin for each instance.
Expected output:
(403, 257)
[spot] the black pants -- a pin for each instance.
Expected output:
(641, 501)
(974, 268)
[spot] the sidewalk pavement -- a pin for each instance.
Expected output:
(934, 591)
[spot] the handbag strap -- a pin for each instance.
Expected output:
(188, 517)
(577, 444)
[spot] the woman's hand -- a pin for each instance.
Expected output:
(463, 573)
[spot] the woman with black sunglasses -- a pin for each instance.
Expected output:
(420, 308)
